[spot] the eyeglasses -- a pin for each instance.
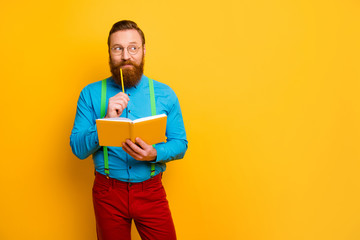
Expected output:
(132, 49)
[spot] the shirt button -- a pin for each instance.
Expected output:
(129, 111)
(129, 94)
(129, 167)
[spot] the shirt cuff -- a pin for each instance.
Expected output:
(160, 153)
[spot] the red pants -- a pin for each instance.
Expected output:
(116, 203)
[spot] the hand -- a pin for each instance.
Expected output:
(117, 104)
(140, 151)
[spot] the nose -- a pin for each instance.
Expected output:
(125, 55)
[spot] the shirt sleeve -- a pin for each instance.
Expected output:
(84, 137)
(176, 144)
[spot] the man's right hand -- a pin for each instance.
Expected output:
(116, 105)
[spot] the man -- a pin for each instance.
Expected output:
(128, 187)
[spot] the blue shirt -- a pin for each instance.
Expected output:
(84, 137)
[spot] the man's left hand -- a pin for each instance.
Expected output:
(140, 151)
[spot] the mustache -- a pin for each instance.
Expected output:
(128, 62)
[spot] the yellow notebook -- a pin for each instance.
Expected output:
(114, 131)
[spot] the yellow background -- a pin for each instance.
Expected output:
(270, 97)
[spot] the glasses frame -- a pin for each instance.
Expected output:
(127, 49)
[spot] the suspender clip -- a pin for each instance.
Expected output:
(107, 173)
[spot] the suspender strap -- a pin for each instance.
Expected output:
(103, 99)
(152, 97)
(102, 114)
(153, 112)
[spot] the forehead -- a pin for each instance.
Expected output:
(125, 37)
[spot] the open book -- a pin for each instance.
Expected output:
(114, 131)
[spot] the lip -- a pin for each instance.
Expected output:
(126, 66)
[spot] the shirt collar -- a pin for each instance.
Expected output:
(142, 81)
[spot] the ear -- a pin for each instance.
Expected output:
(144, 50)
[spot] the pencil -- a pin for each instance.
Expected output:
(122, 80)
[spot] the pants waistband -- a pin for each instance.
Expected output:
(120, 184)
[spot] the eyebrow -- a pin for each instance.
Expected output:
(118, 44)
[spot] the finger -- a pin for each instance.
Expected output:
(141, 143)
(122, 102)
(122, 95)
(117, 109)
(135, 147)
(131, 152)
(125, 96)
(118, 100)
(150, 152)
(114, 110)
(118, 105)
(127, 149)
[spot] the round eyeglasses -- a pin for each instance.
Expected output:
(132, 49)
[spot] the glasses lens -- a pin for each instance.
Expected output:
(117, 50)
(133, 49)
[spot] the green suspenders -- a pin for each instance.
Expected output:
(103, 113)
(153, 113)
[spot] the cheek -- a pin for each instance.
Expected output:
(115, 60)
(137, 59)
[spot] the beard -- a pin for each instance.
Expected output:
(131, 75)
